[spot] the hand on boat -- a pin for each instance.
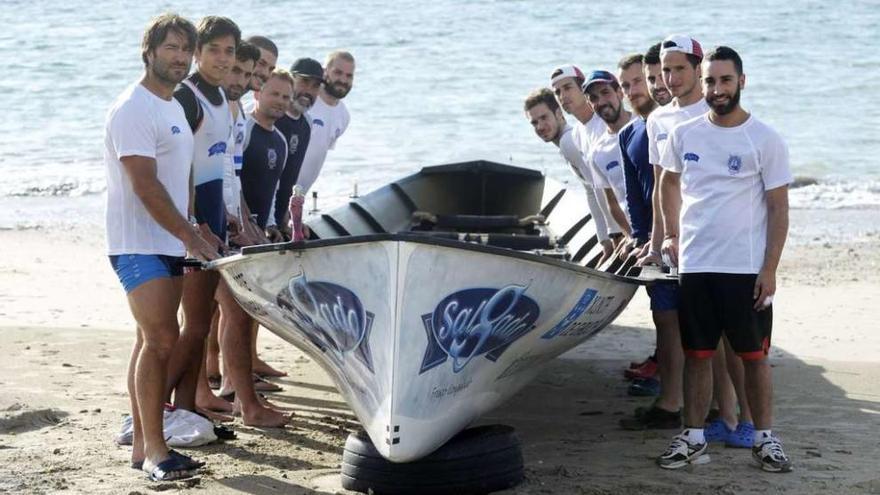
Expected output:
(274, 234)
(607, 251)
(765, 288)
(199, 248)
(669, 251)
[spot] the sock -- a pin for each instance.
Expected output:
(694, 435)
(761, 436)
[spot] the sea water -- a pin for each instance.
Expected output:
(439, 82)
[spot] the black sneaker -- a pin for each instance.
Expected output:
(770, 456)
(653, 418)
(680, 453)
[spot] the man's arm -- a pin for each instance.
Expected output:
(617, 212)
(635, 203)
(670, 205)
(777, 232)
(145, 183)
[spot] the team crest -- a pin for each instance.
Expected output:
(293, 144)
(271, 159)
(175, 129)
(217, 148)
(734, 164)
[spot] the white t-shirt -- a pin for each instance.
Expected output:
(584, 134)
(662, 120)
(328, 123)
(595, 200)
(606, 165)
(725, 172)
(141, 124)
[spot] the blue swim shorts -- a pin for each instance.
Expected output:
(136, 269)
(664, 297)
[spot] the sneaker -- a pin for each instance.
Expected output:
(742, 437)
(647, 370)
(770, 456)
(647, 387)
(680, 453)
(634, 365)
(717, 431)
(653, 418)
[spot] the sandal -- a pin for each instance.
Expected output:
(186, 460)
(171, 469)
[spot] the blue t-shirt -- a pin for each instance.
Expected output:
(638, 174)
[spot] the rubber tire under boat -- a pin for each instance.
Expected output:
(482, 459)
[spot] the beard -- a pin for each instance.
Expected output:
(165, 71)
(611, 116)
(234, 93)
(725, 108)
(302, 102)
(661, 95)
(337, 89)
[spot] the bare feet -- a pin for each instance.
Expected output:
(215, 416)
(209, 401)
(265, 417)
(261, 385)
(260, 367)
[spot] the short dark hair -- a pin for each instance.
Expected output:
(652, 56)
(213, 27)
(538, 96)
(629, 60)
(264, 43)
(159, 28)
(246, 52)
(727, 53)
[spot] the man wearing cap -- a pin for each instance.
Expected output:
(680, 58)
(329, 116)
(724, 194)
(307, 78)
(604, 160)
(639, 177)
(574, 145)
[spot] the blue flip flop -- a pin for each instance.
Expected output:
(186, 460)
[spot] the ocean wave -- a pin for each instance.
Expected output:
(837, 194)
(63, 188)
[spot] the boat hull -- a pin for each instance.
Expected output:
(423, 336)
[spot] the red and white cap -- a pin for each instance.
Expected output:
(564, 71)
(681, 43)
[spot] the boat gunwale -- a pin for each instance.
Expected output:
(418, 239)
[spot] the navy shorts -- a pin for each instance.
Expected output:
(716, 303)
(134, 270)
(664, 297)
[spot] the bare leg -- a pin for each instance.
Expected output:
(236, 351)
(137, 440)
(670, 359)
(724, 392)
(198, 309)
(205, 398)
(212, 357)
(759, 386)
(259, 366)
(154, 307)
(737, 374)
(697, 391)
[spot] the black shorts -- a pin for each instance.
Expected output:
(712, 303)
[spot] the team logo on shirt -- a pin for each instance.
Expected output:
(239, 137)
(611, 165)
(662, 136)
(271, 158)
(293, 144)
(217, 148)
(318, 122)
(175, 130)
(734, 164)
(691, 157)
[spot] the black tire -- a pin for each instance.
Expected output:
(477, 460)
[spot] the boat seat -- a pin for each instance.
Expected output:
(509, 241)
(424, 220)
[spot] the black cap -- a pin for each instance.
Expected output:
(307, 67)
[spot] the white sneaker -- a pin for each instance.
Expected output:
(680, 453)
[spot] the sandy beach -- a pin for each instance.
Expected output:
(66, 333)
